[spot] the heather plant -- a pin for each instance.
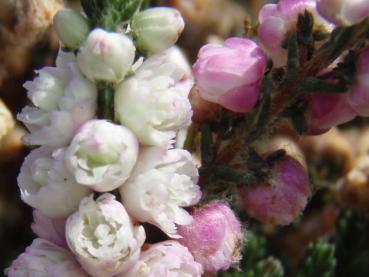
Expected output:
(124, 184)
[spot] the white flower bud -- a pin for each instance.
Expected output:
(165, 259)
(46, 185)
(63, 100)
(162, 182)
(102, 155)
(157, 29)
(103, 237)
(71, 27)
(159, 91)
(44, 259)
(106, 56)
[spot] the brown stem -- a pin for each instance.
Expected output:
(355, 36)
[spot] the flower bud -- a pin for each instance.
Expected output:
(358, 95)
(46, 185)
(157, 29)
(283, 196)
(106, 56)
(165, 259)
(327, 110)
(62, 101)
(102, 236)
(214, 237)
(71, 27)
(277, 21)
(343, 12)
(162, 183)
(52, 230)
(159, 91)
(102, 155)
(230, 75)
(43, 258)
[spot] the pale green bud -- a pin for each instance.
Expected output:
(157, 29)
(71, 27)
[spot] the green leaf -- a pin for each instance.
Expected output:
(293, 58)
(207, 152)
(318, 260)
(299, 122)
(255, 263)
(108, 14)
(233, 176)
(316, 85)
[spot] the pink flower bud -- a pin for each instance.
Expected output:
(278, 20)
(358, 96)
(327, 110)
(343, 12)
(43, 258)
(49, 229)
(214, 237)
(281, 199)
(230, 75)
(165, 259)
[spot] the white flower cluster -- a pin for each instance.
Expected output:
(81, 231)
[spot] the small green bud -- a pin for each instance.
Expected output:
(71, 27)
(157, 29)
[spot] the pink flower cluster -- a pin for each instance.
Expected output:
(231, 74)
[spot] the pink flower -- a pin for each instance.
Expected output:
(165, 259)
(278, 20)
(343, 12)
(230, 75)
(49, 229)
(281, 199)
(327, 110)
(358, 96)
(45, 259)
(214, 237)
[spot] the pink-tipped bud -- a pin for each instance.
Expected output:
(281, 199)
(358, 96)
(343, 12)
(326, 111)
(214, 237)
(230, 74)
(278, 20)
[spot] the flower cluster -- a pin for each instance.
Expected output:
(84, 160)
(238, 77)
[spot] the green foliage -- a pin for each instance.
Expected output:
(207, 151)
(108, 14)
(352, 245)
(319, 260)
(255, 263)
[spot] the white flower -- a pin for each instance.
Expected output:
(106, 56)
(63, 100)
(157, 29)
(102, 155)
(166, 259)
(45, 259)
(159, 91)
(52, 230)
(103, 237)
(46, 185)
(162, 182)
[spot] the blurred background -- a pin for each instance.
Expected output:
(27, 42)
